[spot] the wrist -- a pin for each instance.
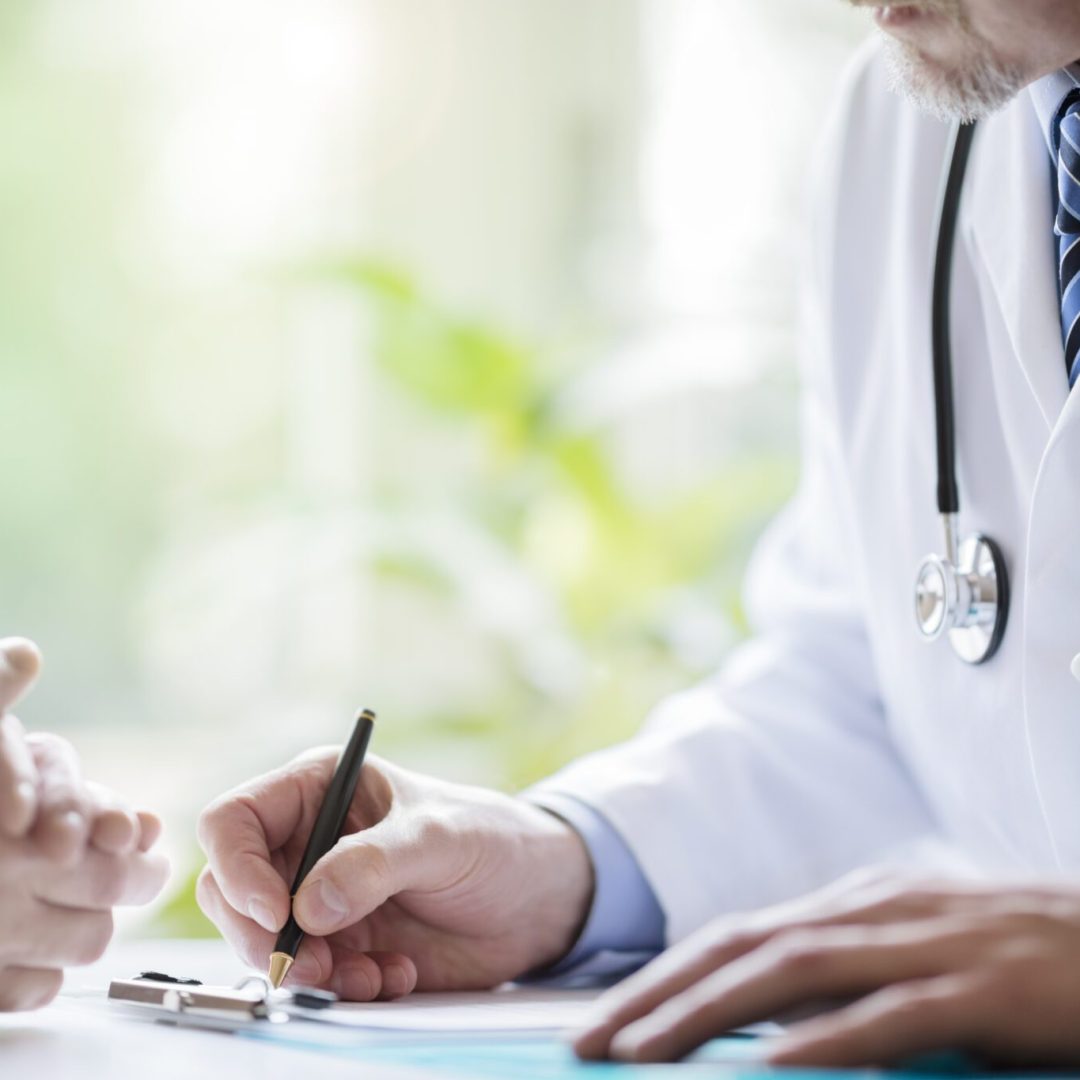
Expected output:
(563, 881)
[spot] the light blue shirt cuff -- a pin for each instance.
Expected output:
(625, 926)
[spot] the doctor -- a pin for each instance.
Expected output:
(838, 738)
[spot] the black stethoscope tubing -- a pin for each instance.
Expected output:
(948, 493)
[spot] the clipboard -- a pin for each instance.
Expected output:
(188, 1003)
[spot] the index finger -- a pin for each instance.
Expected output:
(238, 832)
(18, 780)
(20, 662)
(898, 1022)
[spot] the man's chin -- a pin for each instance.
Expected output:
(967, 90)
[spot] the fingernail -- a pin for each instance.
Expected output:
(323, 905)
(262, 914)
(72, 822)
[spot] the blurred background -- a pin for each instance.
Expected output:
(435, 355)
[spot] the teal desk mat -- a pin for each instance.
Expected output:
(533, 1058)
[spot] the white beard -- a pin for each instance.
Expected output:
(979, 87)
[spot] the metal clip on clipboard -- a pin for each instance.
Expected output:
(191, 1004)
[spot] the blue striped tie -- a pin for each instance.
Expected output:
(1067, 228)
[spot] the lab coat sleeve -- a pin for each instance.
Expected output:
(779, 774)
(625, 925)
(624, 928)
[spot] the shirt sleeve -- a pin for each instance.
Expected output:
(625, 925)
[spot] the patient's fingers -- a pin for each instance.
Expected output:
(114, 828)
(28, 988)
(20, 663)
(61, 937)
(150, 829)
(65, 807)
(102, 881)
(18, 780)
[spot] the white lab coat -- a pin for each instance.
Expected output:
(837, 737)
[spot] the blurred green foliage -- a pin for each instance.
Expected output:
(538, 475)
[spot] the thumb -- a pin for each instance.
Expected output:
(361, 872)
(20, 662)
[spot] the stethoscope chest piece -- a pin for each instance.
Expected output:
(968, 600)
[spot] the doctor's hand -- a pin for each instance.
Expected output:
(433, 886)
(991, 971)
(69, 852)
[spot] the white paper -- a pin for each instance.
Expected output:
(511, 1010)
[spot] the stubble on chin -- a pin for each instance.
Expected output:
(973, 83)
(967, 91)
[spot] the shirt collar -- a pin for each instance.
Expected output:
(1048, 95)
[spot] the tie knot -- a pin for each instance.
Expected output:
(1068, 168)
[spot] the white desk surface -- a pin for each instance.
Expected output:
(75, 1038)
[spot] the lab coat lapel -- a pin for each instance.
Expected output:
(1010, 218)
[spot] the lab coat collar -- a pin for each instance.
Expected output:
(1048, 95)
(1010, 220)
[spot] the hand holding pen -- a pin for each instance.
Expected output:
(432, 885)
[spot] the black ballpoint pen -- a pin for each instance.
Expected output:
(325, 833)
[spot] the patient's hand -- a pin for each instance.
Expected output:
(435, 885)
(70, 851)
(994, 970)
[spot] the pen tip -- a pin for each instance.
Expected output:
(279, 967)
(366, 714)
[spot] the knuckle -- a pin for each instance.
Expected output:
(56, 751)
(376, 866)
(209, 821)
(314, 755)
(799, 951)
(48, 741)
(716, 950)
(899, 892)
(434, 833)
(725, 942)
(905, 1005)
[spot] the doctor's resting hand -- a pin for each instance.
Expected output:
(918, 967)
(70, 851)
(434, 885)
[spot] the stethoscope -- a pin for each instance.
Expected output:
(965, 592)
